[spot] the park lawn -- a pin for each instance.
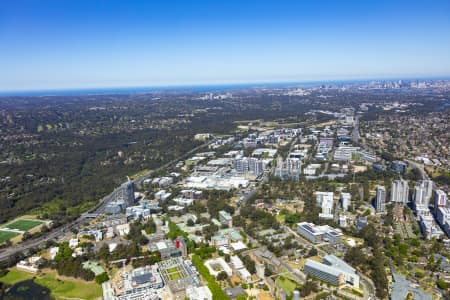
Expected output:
(14, 276)
(6, 235)
(24, 225)
(60, 288)
(70, 288)
(287, 285)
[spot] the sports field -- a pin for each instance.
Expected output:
(6, 235)
(23, 224)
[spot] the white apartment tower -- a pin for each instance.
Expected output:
(400, 191)
(380, 200)
(440, 199)
(423, 191)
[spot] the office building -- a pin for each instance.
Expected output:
(345, 200)
(140, 283)
(325, 201)
(166, 248)
(380, 199)
(399, 166)
(290, 168)
(400, 191)
(344, 153)
(249, 166)
(198, 293)
(333, 270)
(125, 193)
(181, 245)
(323, 197)
(318, 234)
(327, 209)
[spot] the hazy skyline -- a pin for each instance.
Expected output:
(88, 44)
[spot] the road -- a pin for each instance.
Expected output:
(59, 232)
(419, 167)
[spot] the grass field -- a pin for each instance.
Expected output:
(6, 235)
(24, 224)
(175, 276)
(70, 289)
(15, 276)
(174, 273)
(172, 270)
(287, 285)
(60, 289)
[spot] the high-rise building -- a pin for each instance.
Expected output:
(323, 196)
(440, 199)
(345, 200)
(249, 165)
(400, 191)
(289, 169)
(325, 201)
(421, 197)
(125, 193)
(380, 200)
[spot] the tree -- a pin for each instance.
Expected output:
(442, 284)
(308, 288)
(312, 252)
(103, 277)
(64, 252)
(222, 276)
(103, 252)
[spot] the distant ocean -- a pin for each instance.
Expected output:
(193, 88)
(141, 90)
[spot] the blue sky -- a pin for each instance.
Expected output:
(87, 43)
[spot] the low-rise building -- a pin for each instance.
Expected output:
(30, 264)
(225, 218)
(162, 195)
(332, 270)
(217, 265)
(198, 293)
(166, 248)
(318, 234)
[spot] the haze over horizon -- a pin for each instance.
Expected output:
(102, 44)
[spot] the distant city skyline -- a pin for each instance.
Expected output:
(56, 45)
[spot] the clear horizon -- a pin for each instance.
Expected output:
(208, 87)
(68, 45)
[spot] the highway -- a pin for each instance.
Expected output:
(59, 232)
